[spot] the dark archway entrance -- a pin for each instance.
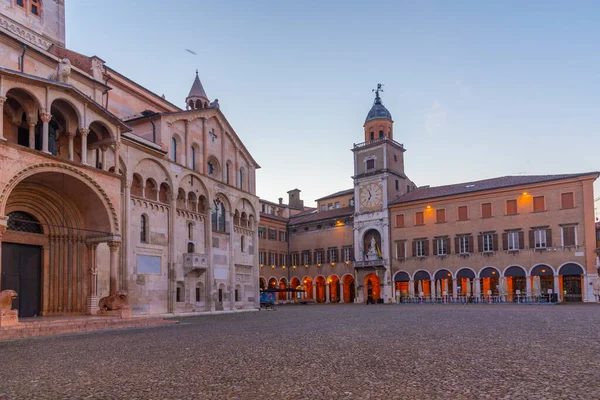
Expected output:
(21, 272)
(572, 277)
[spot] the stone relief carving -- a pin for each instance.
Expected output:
(114, 302)
(6, 300)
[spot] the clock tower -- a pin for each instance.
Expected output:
(378, 179)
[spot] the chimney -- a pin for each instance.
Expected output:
(294, 199)
(281, 200)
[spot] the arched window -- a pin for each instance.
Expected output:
(241, 178)
(23, 222)
(180, 292)
(243, 243)
(218, 216)
(372, 135)
(144, 228)
(380, 134)
(191, 232)
(193, 158)
(174, 150)
(227, 173)
(191, 248)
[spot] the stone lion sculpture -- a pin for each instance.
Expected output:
(6, 299)
(62, 71)
(114, 302)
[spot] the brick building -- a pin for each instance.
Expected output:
(107, 186)
(387, 239)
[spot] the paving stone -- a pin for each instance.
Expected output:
(323, 352)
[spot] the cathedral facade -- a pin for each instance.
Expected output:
(106, 186)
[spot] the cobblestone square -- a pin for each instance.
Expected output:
(324, 352)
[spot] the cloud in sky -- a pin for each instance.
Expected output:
(435, 118)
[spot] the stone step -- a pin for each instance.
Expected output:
(49, 328)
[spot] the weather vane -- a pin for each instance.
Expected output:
(379, 89)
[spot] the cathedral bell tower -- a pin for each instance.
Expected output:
(378, 179)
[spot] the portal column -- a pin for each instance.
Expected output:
(92, 298)
(477, 288)
(32, 125)
(103, 149)
(114, 262)
(432, 288)
(557, 288)
(45, 117)
(71, 136)
(528, 285)
(327, 292)
(3, 226)
(116, 146)
(2, 101)
(84, 134)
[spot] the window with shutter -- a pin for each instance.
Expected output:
(488, 242)
(511, 207)
(486, 210)
(463, 213)
(513, 241)
(569, 236)
(399, 220)
(401, 250)
(538, 204)
(463, 244)
(440, 216)
(441, 248)
(539, 239)
(419, 218)
(420, 248)
(567, 200)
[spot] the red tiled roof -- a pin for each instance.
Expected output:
(313, 216)
(336, 194)
(477, 186)
(271, 216)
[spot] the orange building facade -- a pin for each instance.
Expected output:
(514, 238)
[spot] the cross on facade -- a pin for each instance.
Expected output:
(212, 134)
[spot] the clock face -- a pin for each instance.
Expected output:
(371, 195)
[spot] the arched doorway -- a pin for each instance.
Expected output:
(372, 288)
(272, 283)
(443, 283)
(516, 283)
(349, 288)
(334, 289)
(542, 280)
(282, 285)
(262, 282)
(320, 289)
(489, 281)
(422, 282)
(571, 276)
(308, 287)
(401, 283)
(464, 282)
(79, 226)
(295, 284)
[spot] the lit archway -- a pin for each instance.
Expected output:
(372, 288)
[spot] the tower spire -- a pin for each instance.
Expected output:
(197, 97)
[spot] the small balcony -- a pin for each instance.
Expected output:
(370, 263)
(194, 262)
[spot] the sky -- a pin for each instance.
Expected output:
(476, 89)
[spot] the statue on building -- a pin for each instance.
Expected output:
(373, 253)
(62, 72)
